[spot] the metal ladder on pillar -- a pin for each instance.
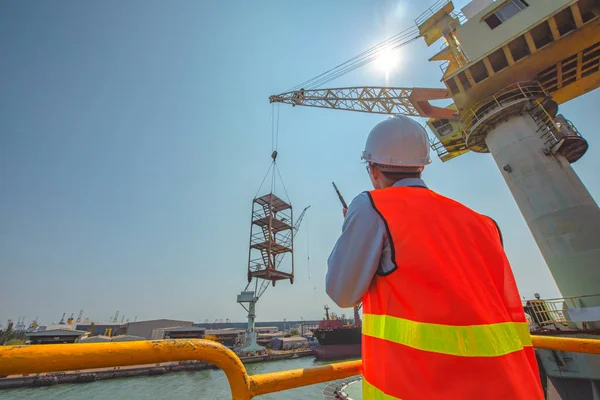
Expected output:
(546, 126)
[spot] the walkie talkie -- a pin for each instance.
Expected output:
(340, 196)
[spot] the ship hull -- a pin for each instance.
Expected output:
(338, 336)
(337, 352)
(338, 343)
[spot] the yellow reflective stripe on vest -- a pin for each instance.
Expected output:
(467, 341)
(370, 392)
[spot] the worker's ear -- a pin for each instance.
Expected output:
(375, 172)
(375, 176)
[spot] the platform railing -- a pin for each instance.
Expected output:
(517, 92)
(430, 12)
(16, 360)
(551, 312)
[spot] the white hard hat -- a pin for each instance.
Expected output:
(398, 143)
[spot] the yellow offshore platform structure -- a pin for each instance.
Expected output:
(507, 68)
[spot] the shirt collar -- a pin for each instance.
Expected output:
(410, 182)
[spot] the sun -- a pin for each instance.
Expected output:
(386, 61)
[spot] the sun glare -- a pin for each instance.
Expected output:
(386, 61)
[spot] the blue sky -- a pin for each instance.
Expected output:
(134, 135)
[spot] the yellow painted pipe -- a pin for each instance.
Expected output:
(16, 360)
(575, 345)
(70, 357)
(284, 380)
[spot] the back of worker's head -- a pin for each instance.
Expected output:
(396, 148)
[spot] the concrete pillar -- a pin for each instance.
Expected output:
(561, 214)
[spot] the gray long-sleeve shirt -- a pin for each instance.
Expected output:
(361, 250)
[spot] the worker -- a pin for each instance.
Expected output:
(442, 316)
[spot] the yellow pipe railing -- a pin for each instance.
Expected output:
(16, 360)
(589, 346)
(70, 357)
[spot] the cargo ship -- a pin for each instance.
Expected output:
(338, 341)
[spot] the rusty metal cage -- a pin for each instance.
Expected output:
(271, 237)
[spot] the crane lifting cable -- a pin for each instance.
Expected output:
(400, 39)
(307, 248)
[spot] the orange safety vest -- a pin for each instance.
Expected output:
(447, 322)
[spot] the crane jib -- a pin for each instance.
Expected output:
(412, 102)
